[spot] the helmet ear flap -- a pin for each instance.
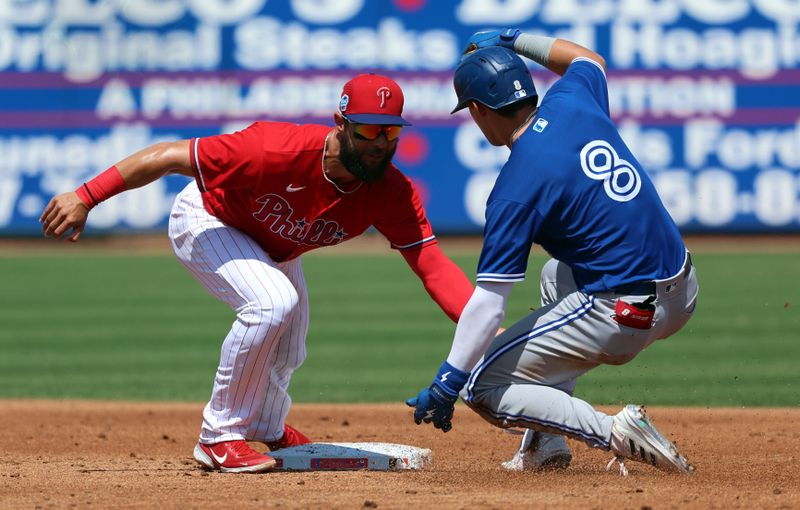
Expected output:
(494, 76)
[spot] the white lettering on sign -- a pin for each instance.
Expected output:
(266, 43)
(154, 13)
(654, 11)
(150, 13)
(717, 12)
(712, 198)
(776, 192)
(715, 197)
(482, 13)
(287, 96)
(474, 152)
(9, 189)
(572, 11)
(484, 161)
(476, 194)
(740, 149)
(61, 164)
(487, 12)
(428, 97)
(326, 11)
(225, 11)
(7, 47)
(140, 35)
(652, 147)
(678, 96)
(780, 11)
(75, 157)
(27, 14)
(71, 12)
(758, 52)
(712, 12)
(116, 100)
(85, 55)
(675, 190)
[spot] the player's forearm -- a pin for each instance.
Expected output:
(444, 281)
(136, 171)
(554, 54)
(479, 323)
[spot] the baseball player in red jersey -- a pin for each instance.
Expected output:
(260, 198)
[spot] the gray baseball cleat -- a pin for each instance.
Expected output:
(634, 437)
(540, 451)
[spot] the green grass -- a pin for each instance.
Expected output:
(139, 327)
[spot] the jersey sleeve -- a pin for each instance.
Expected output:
(230, 160)
(589, 75)
(507, 239)
(444, 281)
(403, 220)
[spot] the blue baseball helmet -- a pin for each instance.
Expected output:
(494, 76)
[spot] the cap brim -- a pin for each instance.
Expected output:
(376, 118)
(460, 106)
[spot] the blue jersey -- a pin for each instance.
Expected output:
(572, 186)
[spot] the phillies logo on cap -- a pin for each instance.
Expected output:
(384, 94)
(373, 99)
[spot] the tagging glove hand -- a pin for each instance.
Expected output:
(436, 403)
(505, 38)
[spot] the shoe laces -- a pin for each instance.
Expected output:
(622, 469)
(241, 448)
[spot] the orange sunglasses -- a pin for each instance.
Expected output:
(371, 131)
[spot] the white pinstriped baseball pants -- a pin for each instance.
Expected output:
(266, 343)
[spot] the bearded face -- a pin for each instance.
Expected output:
(365, 159)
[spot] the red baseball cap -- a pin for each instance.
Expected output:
(372, 99)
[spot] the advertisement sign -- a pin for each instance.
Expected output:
(707, 94)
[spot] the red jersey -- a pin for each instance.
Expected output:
(267, 181)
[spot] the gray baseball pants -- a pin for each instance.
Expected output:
(528, 374)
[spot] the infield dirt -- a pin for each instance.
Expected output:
(66, 454)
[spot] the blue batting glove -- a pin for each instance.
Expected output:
(436, 403)
(505, 38)
(433, 405)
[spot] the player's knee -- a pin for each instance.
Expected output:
(271, 309)
(295, 361)
(548, 282)
(550, 270)
(480, 394)
(482, 404)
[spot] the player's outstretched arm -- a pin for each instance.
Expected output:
(66, 214)
(554, 54)
(444, 281)
(563, 52)
(155, 162)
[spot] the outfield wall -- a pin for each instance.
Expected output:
(706, 93)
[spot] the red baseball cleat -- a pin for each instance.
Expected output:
(232, 457)
(291, 437)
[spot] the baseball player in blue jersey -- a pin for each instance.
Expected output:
(620, 277)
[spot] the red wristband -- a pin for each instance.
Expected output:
(102, 187)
